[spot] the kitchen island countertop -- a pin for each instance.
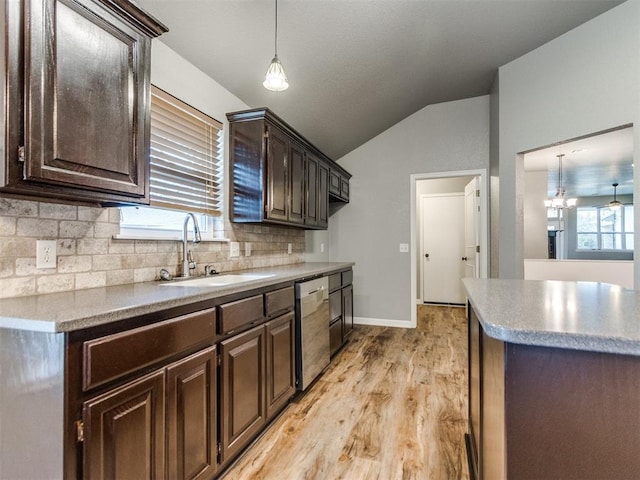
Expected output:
(79, 309)
(589, 316)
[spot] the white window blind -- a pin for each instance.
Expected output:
(186, 156)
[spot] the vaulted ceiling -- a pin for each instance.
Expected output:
(357, 67)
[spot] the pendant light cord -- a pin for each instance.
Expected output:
(276, 39)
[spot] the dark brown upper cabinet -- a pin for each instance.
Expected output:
(276, 175)
(76, 90)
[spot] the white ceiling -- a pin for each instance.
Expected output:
(589, 165)
(357, 67)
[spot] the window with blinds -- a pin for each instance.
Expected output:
(186, 153)
(186, 174)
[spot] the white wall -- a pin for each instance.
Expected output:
(535, 215)
(445, 137)
(582, 82)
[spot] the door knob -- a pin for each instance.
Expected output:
(464, 259)
(426, 255)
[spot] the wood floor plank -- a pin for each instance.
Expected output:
(392, 405)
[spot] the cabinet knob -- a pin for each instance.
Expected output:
(426, 255)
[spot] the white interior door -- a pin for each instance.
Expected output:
(472, 229)
(443, 222)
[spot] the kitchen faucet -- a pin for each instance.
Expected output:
(187, 260)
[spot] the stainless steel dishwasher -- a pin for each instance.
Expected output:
(312, 330)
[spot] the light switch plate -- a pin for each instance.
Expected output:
(247, 249)
(404, 248)
(322, 247)
(234, 249)
(46, 256)
(289, 248)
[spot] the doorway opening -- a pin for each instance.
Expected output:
(445, 247)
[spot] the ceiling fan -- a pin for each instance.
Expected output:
(614, 204)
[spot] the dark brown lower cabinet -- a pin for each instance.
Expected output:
(191, 417)
(281, 378)
(124, 433)
(551, 413)
(242, 395)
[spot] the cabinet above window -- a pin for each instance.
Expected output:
(277, 176)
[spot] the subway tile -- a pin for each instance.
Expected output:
(17, 247)
(36, 227)
(145, 274)
(26, 266)
(75, 263)
(66, 246)
(91, 280)
(107, 262)
(119, 277)
(18, 287)
(7, 267)
(92, 246)
(58, 211)
(18, 208)
(105, 230)
(75, 229)
(90, 214)
(55, 283)
(121, 246)
(145, 246)
(8, 226)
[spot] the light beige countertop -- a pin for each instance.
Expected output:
(78, 309)
(589, 316)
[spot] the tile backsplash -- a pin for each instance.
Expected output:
(89, 256)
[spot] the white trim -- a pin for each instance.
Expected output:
(484, 225)
(383, 322)
(175, 238)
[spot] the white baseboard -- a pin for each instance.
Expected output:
(383, 322)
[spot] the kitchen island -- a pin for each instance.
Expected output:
(148, 380)
(554, 380)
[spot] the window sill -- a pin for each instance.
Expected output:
(167, 239)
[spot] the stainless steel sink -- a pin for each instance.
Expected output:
(218, 280)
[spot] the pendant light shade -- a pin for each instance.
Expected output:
(559, 201)
(614, 204)
(275, 79)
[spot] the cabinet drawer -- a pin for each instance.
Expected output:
(111, 357)
(347, 277)
(335, 336)
(241, 313)
(334, 282)
(335, 304)
(279, 301)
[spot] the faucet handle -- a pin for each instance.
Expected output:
(192, 264)
(209, 270)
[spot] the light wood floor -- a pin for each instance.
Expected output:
(392, 405)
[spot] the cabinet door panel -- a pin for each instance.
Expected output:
(296, 184)
(124, 432)
(311, 214)
(242, 390)
(277, 177)
(323, 196)
(85, 100)
(347, 310)
(191, 417)
(280, 363)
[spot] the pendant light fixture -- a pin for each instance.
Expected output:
(275, 79)
(614, 204)
(559, 201)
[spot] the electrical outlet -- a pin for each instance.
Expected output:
(322, 247)
(247, 249)
(289, 248)
(404, 248)
(46, 256)
(234, 250)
